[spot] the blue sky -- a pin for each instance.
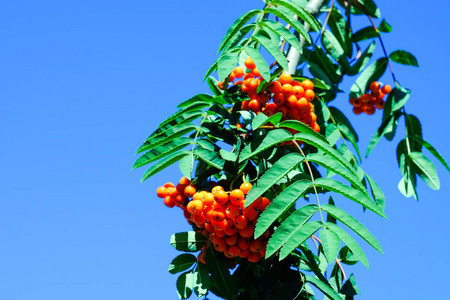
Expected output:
(82, 85)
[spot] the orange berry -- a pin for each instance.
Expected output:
(357, 110)
(238, 72)
(218, 214)
(195, 207)
(309, 95)
(168, 184)
(219, 244)
(219, 225)
(189, 191)
(374, 87)
(255, 72)
(234, 251)
(307, 84)
(231, 240)
(291, 101)
(236, 196)
(249, 63)
(313, 117)
(208, 199)
(379, 104)
(250, 213)
(298, 91)
(286, 89)
(241, 222)
(278, 98)
(386, 89)
(285, 78)
(275, 87)
(232, 211)
(184, 181)
(254, 106)
(198, 219)
(316, 127)
(302, 103)
(219, 233)
(198, 196)
(244, 105)
(255, 246)
(248, 75)
(264, 203)
(161, 192)
(244, 253)
(221, 197)
(231, 228)
(245, 187)
(238, 125)
(370, 110)
(217, 188)
(282, 109)
(243, 243)
(256, 203)
(253, 257)
(247, 231)
(169, 202)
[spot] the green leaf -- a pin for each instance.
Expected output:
(202, 281)
(213, 85)
(331, 164)
(370, 74)
(263, 142)
(260, 63)
(346, 256)
(425, 169)
(350, 193)
(384, 26)
(289, 227)
(272, 48)
(181, 263)
(211, 69)
(370, 8)
(169, 135)
(186, 165)
(210, 157)
(162, 151)
(262, 119)
(432, 150)
(385, 128)
(280, 169)
(280, 205)
(353, 224)
(408, 183)
(192, 104)
(340, 29)
(227, 62)
(377, 193)
(399, 97)
(300, 12)
(331, 244)
(349, 288)
(404, 57)
(282, 31)
(298, 236)
(218, 268)
(200, 98)
(364, 34)
(227, 155)
(189, 241)
(414, 128)
(164, 163)
(326, 289)
(238, 38)
(325, 147)
(185, 283)
(302, 127)
(350, 242)
(289, 18)
(361, 63)
(321, 59)
(237, 25)
(332, 45)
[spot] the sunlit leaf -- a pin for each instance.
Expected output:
(263, 142)
(425, 169)
(404, 57)
(164, 163)
(326, 289)
(260, 63)
(182, 262)
(185, 283)
(189, 241)
(331, 244)
(370, 74)
(272, 48)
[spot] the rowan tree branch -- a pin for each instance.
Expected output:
(293, 56)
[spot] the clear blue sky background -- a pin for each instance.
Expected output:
(82, 84)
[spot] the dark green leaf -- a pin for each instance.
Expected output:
(353, 224)
(326, 289)
(181, 263)
(193, 104)
(283, 166)
(302, 127)
(237, 39)
(331, 244)
(162, 151)
(218, 268)
(369, 8)
(298, 236)
(404, 57)
(237, 25)
(370, 74)
(202, 281)
(185, 283)
(263, 142)
(384, 26)
(211, 69)
(280, 205)
(169, 135)
(260, 63)
(210, 157)
(194, 100)
(189, 241)
(385, 128)
(350, 193)
(164, 163)
(350, 242)
(272, 48)
(349, 288)
(213, 85)
(425, 169)
(361, 63)
(364, 34)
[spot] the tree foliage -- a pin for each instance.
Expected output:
(297, 168)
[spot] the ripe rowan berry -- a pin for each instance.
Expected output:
(189, 191)
(307, 84)
(374, 86)
(255, 72)
(195, 207)
(291, 101)
(169, 202)
(251, 213)
(199, 219)
(285, 78)
(278, 99)
(249, 63)
(184, 181)
(275, 87)
(254, 106)
(247, 231)
(243, 243)
(241, 222)
(161, 192)
(231, 240)
(245, 187)
(234, 251)
(253, 257)
(238, 72)
(298, 91)
(357, 110)
(286, 89)
(219, 225)
(255, 245)
(309, 95)
(264, 203)
(231, 228)
(386, 89)
(168, 184)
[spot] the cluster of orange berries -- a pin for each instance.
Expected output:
(290, 97)
(221, 216)
(371, 100)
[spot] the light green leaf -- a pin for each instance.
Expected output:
(237, 39)
(164, 163)
(384, 26)
(182, 262)
(185, 283)
(361, 63)
(262, 119)
(237, 25)
(260, 63)
(353, 224)
(302, 127)
(350, 242)
(425, 169)
(299, 236)
(300, 12)
(227, 62)
(326, 289)
(331, 244)
(377, 193)
(283, 166)
(404, 57)
(282, 31)
(280, 205)
(287, 16)
(263, 142)
(211, 69)
(289, 227)
(169, 135)
(227, 155)
(432, 150)
(202, 281)
(272, 48)
(205, 98)
(332, 45)
(186, 165)
(210, 157)
(189, 241)
(350, 193)
(193, 105)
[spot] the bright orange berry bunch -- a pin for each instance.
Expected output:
(221, 216)
(368, 102)
(290, 97)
